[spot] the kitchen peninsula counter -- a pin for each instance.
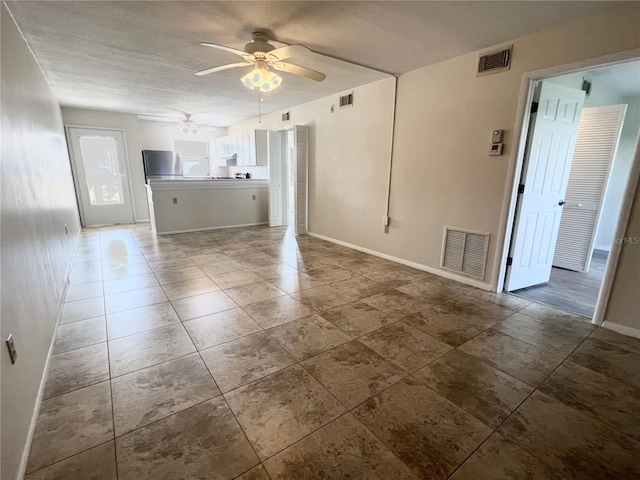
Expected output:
(190, 204)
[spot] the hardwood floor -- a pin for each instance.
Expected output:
(570, 291)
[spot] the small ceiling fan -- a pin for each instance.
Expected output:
(264, 56)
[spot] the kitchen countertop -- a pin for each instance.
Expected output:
(212, 182)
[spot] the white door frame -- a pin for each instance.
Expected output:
(74, 171)
(516, 163)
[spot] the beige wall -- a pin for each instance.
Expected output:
(442, 174)
(349, 153)
(129, 123)
(37, 201)
(624, 301)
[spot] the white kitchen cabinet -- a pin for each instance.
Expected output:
(250, 148)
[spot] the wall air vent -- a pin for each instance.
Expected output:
(465, 252)
(346, 100)
(494, 62)
(286, 117)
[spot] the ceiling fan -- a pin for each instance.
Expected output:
(265, 57)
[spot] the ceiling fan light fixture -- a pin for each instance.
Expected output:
(261, 79)
(189, 128)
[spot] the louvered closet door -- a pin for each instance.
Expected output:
(596, 145)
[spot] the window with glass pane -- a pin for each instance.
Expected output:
(194, 155)
(101, 170)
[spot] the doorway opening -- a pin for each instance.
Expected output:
(288, 164)
(572, 185)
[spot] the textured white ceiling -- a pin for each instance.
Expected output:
(140, 57)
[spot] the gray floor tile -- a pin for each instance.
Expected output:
(276, 311)
(521, 360)
(97, 463)
(119, 302)
(242, 361)
(430, 434)
(203, 442)
(71, 423)
(76, 369)
(220, 327)
(280, 409)
(308, 336)
(143, 350)
(140, 319)
(358, 318)
(485, 392)
(596, 395)
(201, 305)
(147, 395)
(498, 459)
(353, 372)
(341, 450)
(616, 362)
(82, 309)
(570, 442)
(83, 333)
(406, 346)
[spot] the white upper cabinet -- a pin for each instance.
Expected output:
(248, 148)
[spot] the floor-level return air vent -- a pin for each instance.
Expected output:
(465, 251)
(494, 62)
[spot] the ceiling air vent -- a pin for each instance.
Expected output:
(494, 62)
(465, 251)
(346, 100)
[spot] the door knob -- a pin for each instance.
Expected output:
(561, 202)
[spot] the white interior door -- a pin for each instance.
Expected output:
(277, 173)
(301, 175)
(99, 162)
(596, 145)
(551, 142)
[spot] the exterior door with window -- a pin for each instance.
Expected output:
(100, 172)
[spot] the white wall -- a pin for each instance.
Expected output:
(160, 136)
(442, 174)
(37, 201)
(129, 123)
(619, 173)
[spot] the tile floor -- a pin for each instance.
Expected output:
(248, 353)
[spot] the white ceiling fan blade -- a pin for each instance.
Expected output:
(242, 53)
(285, 52)
(298, 70)
(222, 67)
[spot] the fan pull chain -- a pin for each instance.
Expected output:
(259, 106)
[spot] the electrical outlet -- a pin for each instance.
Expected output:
(333, 109)
(253, 196)
(12, 349)
(175, 200)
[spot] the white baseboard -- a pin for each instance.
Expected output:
(409, 263)
(621, 329)
(212, 228)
